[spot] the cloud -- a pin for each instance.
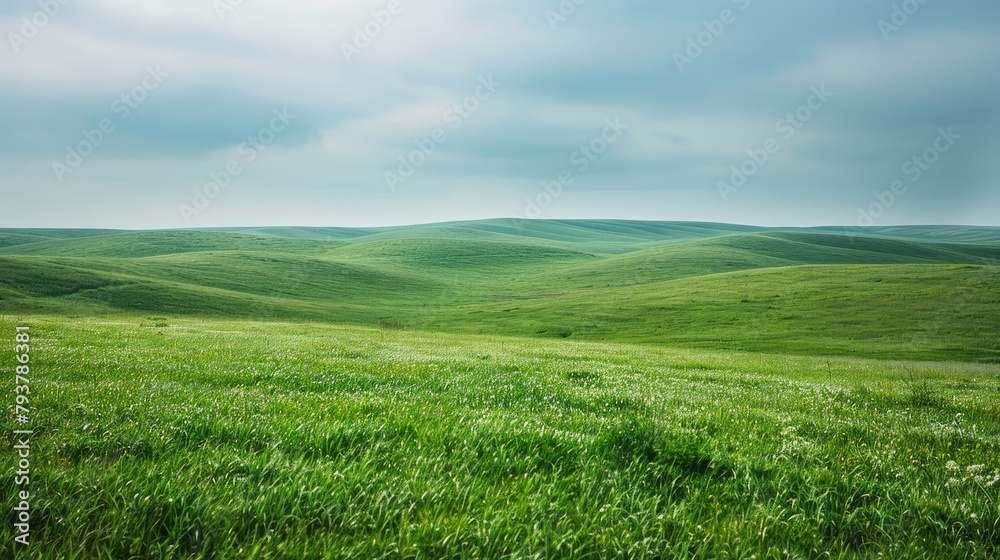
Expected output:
(228, 71)
(941, 67)
(175, 122)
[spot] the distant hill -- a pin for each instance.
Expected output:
(154, 243)
(893, 292)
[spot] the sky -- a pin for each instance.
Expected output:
(208, 113)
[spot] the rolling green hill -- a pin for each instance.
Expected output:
(59, 233)
(743, 252)
(702, 285)
(458, 255)
(153, 243)
(933, 312)
(10, 239)
(529, 390)
(595, 236)
(944, 234)
(204, 438)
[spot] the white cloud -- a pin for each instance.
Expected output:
(934, 66)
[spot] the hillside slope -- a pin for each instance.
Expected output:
(766, 250)
(765, 291)
(154, 243)
(934, 312)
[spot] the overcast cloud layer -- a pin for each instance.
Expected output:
(192, 113)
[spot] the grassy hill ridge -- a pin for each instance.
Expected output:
(154, 243)
(532, 288)
(603, 237)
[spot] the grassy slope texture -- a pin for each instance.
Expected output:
(205, 439)
(896, 293)
(578, 389)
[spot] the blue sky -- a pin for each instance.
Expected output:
(301, 112)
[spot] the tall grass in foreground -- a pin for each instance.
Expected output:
(201, 439)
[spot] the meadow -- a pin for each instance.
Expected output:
(899, 293)
(556, 390)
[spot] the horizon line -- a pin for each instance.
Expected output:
(847, 227)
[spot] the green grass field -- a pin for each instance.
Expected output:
(577, 389)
